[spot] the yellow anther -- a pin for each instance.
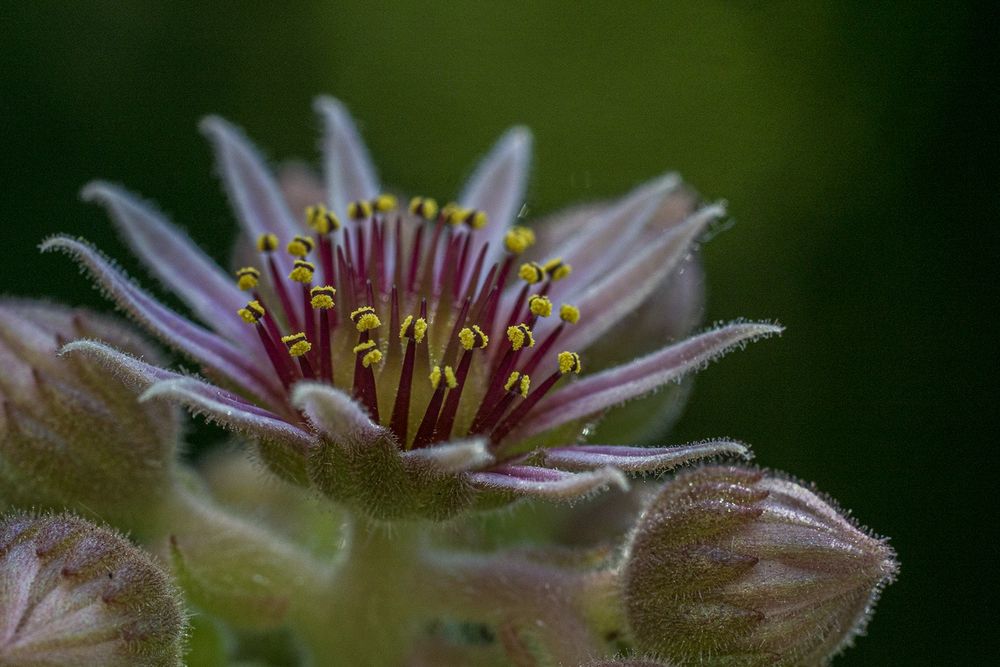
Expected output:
(518, 239)
(297, 344)
(569, 362)
(520, 335)
(511, 381)
(525, 385)
(320, 220)
(474, 337)
(557, 269)
(414, 328)
(435, 377)
(372, 357)
(267, 242)
(322, 297)
(568, 313)
(252, 313)
(300, 246)
(449, 210)
(385, 203)
(477, 219)
(365, 319)
(449, 377)
(247, 278)
(359, 210)
(361, 347)
(302, 271)
(531, 273)
(540, 305)
(455, 215)
(425, 207)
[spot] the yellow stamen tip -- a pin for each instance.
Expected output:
(477, 219)
(361, 347)
(322, 297)
(525, 385)
(365, 319)
(297, 344)
(540, 305)
(372, 357)
(247, 278)
(569, 362)
(414, 328)
(511, 381)
(267, 242)
(385, 203)
(425, 207)
(474, 337)
(302, 271)
(449, 210)
(449, 377)
(455, 215)
(518, 239)
(557, 269)
(435, 377)
(300, 246)
(520, 335)
(252, 313)
(568, 313)
(531, 273)
(359, 210)
(320, 220)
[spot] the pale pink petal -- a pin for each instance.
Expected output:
(497, 187)
(252, 189)
(134, 373)
(230, 411)
(460, 456)
(611, 235)
(639, 459)
(175, 260)
(335, 413)
(605, 303)
(598, 392)
(535, 482)
(347, 167)
(215, 353)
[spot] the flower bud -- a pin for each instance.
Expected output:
(71, 435)
(72, 593)
(739, 566)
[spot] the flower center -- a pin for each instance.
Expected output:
(422, 271)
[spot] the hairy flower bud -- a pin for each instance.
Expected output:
(72, 593)
(71, 435)
(744, 567)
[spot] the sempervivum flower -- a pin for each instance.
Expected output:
(410, 361)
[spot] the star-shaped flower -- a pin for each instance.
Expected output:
(415, 360)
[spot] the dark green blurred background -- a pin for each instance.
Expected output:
(850, 141)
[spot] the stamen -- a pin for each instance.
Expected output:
(267, 244)
(385, 203)
(321, 220)
(412, 330)
(425, 207)
(517, 383)
(365, 319)
(453, 213)
(531, 273)
(322, 300)
(359, 210)
(477, 219)
(247, 278)
(303, 273)
(518, 239)
(300, 246)
(426, 428)
(557, 269)
(569, 315)
(519, 335)
(540, 305)
(298, 346)
(471, 338)
(254, 313)
(569, 362)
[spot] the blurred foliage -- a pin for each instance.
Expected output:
(848, 137)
